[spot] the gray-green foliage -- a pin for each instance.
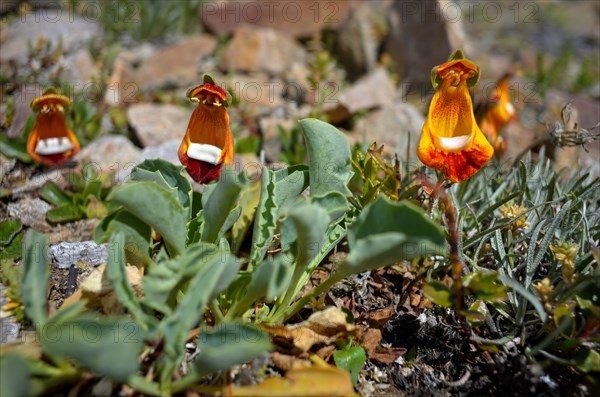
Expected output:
(299, 214)
(553, 208)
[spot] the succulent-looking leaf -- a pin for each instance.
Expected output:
(387, 232)
(107, 346)
(166, 174)
(34, 281)
(228, 344)
(137, 235)
(216, 271)
(157, 207)
(118, 277)
(219, 213)
(15, 377)
(329, 158)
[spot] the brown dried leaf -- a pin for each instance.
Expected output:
(316, 381)
(326, 326)
(371, 341)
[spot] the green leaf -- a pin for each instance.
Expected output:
(334, 203)
(329, 158)
(485, 286)
(65, 213)
(34, 280)
(438, 293)
(116, 272)
(11, 235)
(108, 346)
(270, 279)
(229, 344)
(137, 235)
(15, 148)
(249, 199)
(352, 360)
(278, 189)
(15, 376)
(310, 223)
(219, 212)
(387, 232)
(589, 359)
(214, 271)
(265, 219)
(158, 207)
(165, 278)
(168, 175)
(519, 288)
(55, 195)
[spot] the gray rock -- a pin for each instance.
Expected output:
(66, 254)
(22, 110)
(31, 212)
(255, 49)
(78, 70)
(38, 181)
(393, 126)
(177, 64)
(9, 327)
(57, 25)
(158, 123)
(356, 46)
(166, 151)
(6, 166)
(299, 19)
(110, 154)
(420, 38)
(372, 91)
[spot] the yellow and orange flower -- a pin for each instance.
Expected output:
(51, 142)
(451, 141)
(497, 114)
(208, 142)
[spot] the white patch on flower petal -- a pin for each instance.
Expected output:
(203, 152)
(53, 146)
(510, 109)
(455, 143)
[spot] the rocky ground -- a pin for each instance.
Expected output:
(375, 88)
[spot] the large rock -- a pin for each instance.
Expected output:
(421, 36)
(255, 49)
(110, 154)
(78, 70)
(356, 46)
(165, 151)
(372, 91)
(158, 123)
(56, 25)
(121, 87)
(177, 64)
(31, 212)
(22, 98)
(258, 93)
(297, 18)
(394, 126)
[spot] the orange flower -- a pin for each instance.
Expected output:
(451, 141)
(208, 142)
(51, 142)
(493, 117)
